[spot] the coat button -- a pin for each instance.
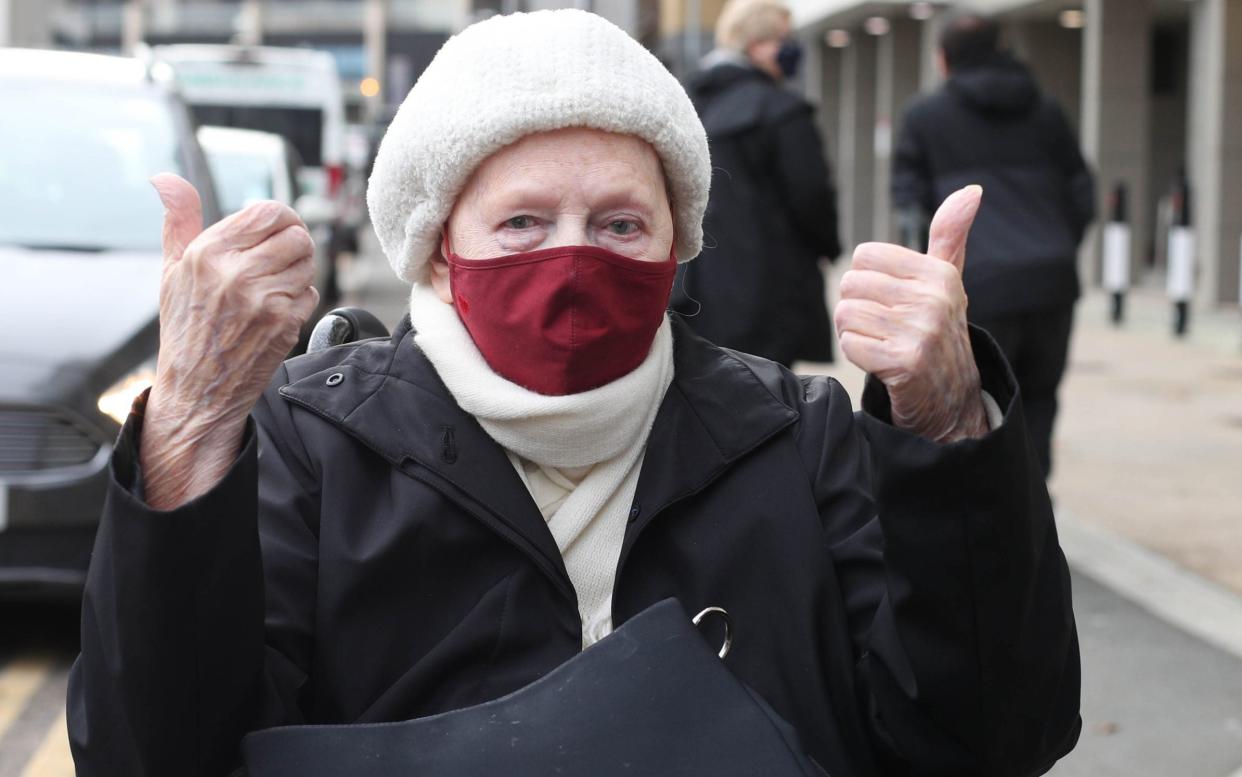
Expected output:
(335, 379)
(634, 512)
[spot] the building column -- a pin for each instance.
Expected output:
(250, 23)
(857, 140)
(930, 29)
(828, 111)
(821, 85)
(1054, 55)
(375, 44)
(810, 77)
(1215, 145)
(1115, 115)
(897, 80)
(26, 23)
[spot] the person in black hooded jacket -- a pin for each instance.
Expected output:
(991, 125)
(772, 213)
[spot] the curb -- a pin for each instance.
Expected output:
(1173, 594)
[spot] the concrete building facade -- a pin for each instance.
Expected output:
(25, 23)
(390, 41)
(1153, 86)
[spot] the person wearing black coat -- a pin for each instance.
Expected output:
(406, 526)
(772, 215)
(989, 124)
(371, 556)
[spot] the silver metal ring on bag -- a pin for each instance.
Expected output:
(728, 625)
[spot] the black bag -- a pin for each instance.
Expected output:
(649, 699)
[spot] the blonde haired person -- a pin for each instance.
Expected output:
(746, 24)
(406, 526)
(773, 213)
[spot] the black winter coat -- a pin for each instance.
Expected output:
(991, 126)
(757, 286)
(373, 556)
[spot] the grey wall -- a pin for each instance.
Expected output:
(1215, 144)
(898, 60)
(1055, 56)
(26, 23)
(857, 105)
(1168, 153)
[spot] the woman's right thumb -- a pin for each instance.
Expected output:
(183, 213)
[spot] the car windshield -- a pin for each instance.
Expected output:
(241, 178)
(75, 164)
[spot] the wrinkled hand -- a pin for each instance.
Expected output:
(232, 301)
(902, 318)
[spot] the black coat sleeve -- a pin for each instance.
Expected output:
(956, 590)
(1079, 181)
(805, 180)
(181, 655)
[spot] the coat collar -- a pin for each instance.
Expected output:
(391, 399)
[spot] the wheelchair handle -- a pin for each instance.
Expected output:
(344, 325)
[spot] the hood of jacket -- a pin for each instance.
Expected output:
(729, 95)
(1001, 87)
(722, 68)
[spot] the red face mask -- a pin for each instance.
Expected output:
(561, 320)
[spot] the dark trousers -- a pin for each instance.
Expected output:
(1036, 345)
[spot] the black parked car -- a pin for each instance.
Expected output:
(80, 265)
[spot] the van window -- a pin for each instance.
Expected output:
(303, 127)
(241, 178)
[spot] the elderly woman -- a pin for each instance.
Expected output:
(401, 527)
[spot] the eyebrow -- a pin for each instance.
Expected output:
(523, 196)
(517, 195)
(625, 197)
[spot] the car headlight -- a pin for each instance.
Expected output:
(116, 401)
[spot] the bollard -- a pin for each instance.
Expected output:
(1117, 252)
(1181, 270)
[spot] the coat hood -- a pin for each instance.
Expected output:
(721, 70)
(1003, 87)
(729, 94)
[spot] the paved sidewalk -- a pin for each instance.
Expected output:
(1149, 441)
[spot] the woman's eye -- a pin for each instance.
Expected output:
(622, 227)
(520, 222)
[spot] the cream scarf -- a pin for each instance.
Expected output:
(579, 454)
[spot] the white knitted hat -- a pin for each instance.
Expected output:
(511, 76)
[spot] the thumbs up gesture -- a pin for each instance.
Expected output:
(902, 318)
(232, 301)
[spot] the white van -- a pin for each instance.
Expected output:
(291, 92)
(248, 165)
